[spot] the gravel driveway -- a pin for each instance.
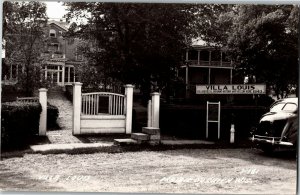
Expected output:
(181, 171)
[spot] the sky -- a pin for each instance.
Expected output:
(55, 10)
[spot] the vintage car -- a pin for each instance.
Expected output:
(279, 127)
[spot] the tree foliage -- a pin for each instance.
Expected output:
(23, 24)
(135, 43)
(261, 39)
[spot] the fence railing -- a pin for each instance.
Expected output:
(28, 99)
(93, 103)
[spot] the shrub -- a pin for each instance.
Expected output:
(52, 115)
(18, 121)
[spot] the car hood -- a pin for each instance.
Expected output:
(273, 116)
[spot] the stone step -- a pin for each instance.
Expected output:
(151, 130)
(140, 136)
(123, 142)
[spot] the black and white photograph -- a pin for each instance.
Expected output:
(149, 97)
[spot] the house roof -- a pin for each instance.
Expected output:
(61, 24)
(199, 43)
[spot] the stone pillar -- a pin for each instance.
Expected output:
(129, 105)
(43, 115)
(76, 108)
(155, 109)
(209, 58)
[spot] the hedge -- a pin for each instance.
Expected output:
(18, 121)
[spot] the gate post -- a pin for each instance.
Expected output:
(76, 108)
(155, 109)
(129, 105)
(43, 115)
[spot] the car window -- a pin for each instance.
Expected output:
(290, 107)
(277, 107)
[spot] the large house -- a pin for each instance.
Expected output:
(60, 57)
(205, 65)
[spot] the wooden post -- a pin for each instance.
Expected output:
(129, 105)
(76, 108)
(155, 109)
(149, 111)
(43, 115)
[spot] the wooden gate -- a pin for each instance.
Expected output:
(102, 112)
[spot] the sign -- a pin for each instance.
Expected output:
(231, 89)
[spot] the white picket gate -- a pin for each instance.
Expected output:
(102, 112)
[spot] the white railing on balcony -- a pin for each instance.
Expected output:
(91, 103)
(209, 63)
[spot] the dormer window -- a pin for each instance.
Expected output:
(52, 33)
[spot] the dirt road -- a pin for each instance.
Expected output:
(181, 171)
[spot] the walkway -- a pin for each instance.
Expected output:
(57, 98)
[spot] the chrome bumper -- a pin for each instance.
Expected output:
(269, 140)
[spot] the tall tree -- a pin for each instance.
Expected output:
(135, 43)
(261, 39)
(23, 24)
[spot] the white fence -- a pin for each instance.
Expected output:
(91, 102)
(28, 99)
(102, 112)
